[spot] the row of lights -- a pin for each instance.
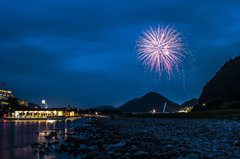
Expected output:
(4, 91)
(34, 112)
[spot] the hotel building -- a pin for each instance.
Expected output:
(4, 95)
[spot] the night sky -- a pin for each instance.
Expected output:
(83, 52)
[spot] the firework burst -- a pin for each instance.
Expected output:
(161, 49)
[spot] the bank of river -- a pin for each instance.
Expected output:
(122, 138)
(156, 138)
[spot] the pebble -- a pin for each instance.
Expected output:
(152, 138)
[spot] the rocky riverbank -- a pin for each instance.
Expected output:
(153, 138)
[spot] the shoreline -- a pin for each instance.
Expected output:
(154, 138)
(126, 137)
(42, 118)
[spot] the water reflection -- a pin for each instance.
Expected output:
(17, 136)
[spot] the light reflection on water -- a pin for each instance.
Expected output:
(16, 137)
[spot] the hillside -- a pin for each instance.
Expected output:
(149, 102)
(223, 90)
(190, 103)
(105, 107)
(126, 105)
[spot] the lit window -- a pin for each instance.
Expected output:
(3, 102)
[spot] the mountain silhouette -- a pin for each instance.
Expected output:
(105, 107)
(149, 102)
(126, 105)
(190, 103)
(223, 90)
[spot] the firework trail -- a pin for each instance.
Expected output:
(161, 49)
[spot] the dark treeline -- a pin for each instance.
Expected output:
(14, 104)
(103, 112)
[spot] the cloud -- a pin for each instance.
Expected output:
(83, 52)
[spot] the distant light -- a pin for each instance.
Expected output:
(43, 101)
(154, 111)
(204, 104)
(50, 121)
(96, 113)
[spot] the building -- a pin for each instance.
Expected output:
(44, 113)
(44, 105)
(185, 109)
(4, 95)
(33, 106)
(23, 102)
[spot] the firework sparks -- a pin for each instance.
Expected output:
(161, 49)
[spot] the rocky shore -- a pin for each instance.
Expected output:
(152, 138)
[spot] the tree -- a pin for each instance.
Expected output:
(110, 111)
(13, 104)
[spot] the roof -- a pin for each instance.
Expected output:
(50, 109)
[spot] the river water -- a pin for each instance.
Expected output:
(16, 138)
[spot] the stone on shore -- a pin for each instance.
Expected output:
(151, 138)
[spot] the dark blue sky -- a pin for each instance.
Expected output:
(82, 52)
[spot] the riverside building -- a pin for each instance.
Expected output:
(4, 95)
(45, 113)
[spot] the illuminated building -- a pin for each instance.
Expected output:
(44, 113)
(4, 103)
(23, 102)
(154, 111)
(44, 105)
(4, 95)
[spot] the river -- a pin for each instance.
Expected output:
(16, 138)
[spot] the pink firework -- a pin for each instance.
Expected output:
(160, 48)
